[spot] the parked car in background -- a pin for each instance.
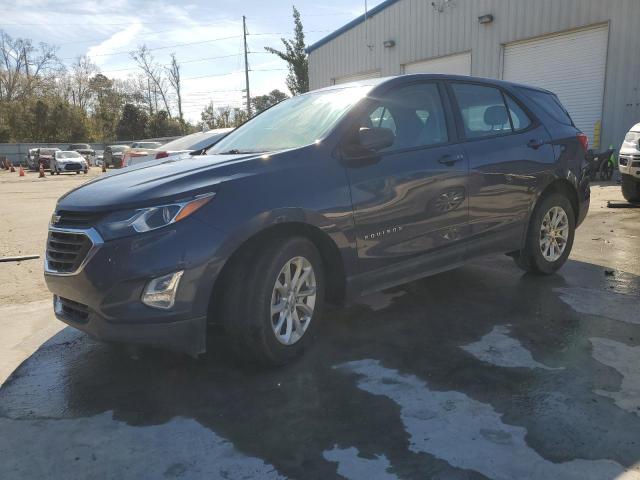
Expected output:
(98, 158)
(194, 144)
(65, 161)
(113, 155)
(31, 159)
(44, 157)
(139, 148)
(629, 165)
(83, 149)
(323, 197)
(144, 145)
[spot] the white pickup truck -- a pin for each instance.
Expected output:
(629, 164)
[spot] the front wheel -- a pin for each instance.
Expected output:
(549, 236)
(275, 300)
(631, 188)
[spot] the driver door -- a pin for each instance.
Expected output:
(410, 200)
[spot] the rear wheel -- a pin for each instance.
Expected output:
(630, 188)
(549, 236)
(274, 301)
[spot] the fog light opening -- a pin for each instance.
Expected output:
(161, 292)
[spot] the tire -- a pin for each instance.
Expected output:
(630, 188)
(531, 258)
(247, 312)
(78, 172)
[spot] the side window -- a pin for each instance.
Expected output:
(549, 103)
(518, 116)
(482, 109)
(381, 117)
(415, 114)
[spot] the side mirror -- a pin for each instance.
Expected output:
(376, 138)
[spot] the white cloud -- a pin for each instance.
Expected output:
(115, 42)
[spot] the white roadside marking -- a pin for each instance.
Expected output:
(591, 301)
(625, 360)
(469, 434)
(354, 467)
(498, 348)
(179, 448)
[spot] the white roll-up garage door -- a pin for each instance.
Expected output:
(572, 65)
(458, 64)
(356, 77)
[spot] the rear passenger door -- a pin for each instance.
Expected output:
(509, 155)
(412, 198)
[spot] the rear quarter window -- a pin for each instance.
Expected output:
(549, 103)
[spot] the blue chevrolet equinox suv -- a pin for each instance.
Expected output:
(322, 198)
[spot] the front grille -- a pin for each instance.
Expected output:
(635, 164)
(77, 219)
(66, 251)
(73, 166)
(74, 311)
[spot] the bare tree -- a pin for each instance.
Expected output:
(173, 74)
(25, 68)
(153, 72)
(81, 73)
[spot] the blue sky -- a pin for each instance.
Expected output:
(103, 29)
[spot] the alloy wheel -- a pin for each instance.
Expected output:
(554, 233)
(293, 300)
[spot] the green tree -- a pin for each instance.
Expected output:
(133, 123)
(296, 57)
(262, 102)
(162, 125)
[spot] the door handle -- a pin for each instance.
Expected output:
(450, 160)
(535, 144)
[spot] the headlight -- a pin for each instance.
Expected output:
(130, 222)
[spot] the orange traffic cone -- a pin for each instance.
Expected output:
(41, 171)
(21, 171)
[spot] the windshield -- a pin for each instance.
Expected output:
(68, 155)
(48, 151)
(79, 146)
(293, 123)
(118, 148)
(194, 141)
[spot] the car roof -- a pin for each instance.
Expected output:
(381, 82)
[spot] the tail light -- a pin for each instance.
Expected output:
(584, 140)
(162, 155)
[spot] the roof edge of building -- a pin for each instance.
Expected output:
(356, 21)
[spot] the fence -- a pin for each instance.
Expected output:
(16, 153)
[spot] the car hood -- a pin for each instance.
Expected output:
(153, 183)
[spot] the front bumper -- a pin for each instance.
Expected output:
(188, 335)
(629, 164)
(103, 296)
(72, 167)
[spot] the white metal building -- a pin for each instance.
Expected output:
(586, 51)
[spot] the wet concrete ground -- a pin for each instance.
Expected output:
(481, 372)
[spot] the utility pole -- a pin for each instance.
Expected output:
(246, 65)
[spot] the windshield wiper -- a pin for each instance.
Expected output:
(235, 151)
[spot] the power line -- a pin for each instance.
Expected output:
(161, 48)
(195, 60)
